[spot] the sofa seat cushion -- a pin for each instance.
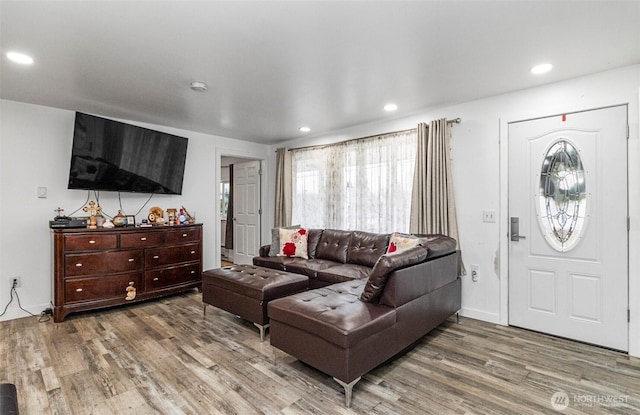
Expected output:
(273, 262)
(309, 267)
(344, 272)
(334, 313)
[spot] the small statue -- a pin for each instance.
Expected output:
(131, 292)
(93, 210)
(190, 218)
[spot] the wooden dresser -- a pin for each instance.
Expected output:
(95, 268)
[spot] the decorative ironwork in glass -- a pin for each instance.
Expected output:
(562, 201)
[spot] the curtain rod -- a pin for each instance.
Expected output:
(457, 120)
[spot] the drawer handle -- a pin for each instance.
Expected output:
(79, 264)
(193, 272)
(184, 235)
(143, 238)
(156, 279)
(92, 241)
(78, 290)
(193, 252)
(156, 257)
(131, 259)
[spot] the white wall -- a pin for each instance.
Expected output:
(35, 145)
(35, 150)
(479, 175)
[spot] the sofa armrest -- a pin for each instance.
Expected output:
(407, 284)
(264, 250)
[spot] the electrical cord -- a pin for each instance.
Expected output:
(13, 291)
(120, 204)
(96, 194)
(145, 204)
(83, 205)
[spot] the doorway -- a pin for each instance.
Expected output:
(568, 226)
(240, 209)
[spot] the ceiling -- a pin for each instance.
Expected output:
(273, 66)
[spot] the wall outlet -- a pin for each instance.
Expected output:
(475, 272)
(15, 280)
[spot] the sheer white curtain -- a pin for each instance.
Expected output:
(360, 184)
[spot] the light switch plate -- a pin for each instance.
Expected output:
(489, 216)
(42, 192)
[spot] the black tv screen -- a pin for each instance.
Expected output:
(114, 156)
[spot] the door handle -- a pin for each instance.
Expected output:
(515, 230)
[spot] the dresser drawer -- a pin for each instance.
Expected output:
(141, 239)
(90, 242)
(155, 257)
(183, 235)
(101, 288)
(171, 276)
(103, 262)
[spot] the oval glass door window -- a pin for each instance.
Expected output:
(562, 201)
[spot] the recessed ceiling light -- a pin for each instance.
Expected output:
(304, 129)
(390, 107)
(20, 58)
(198, 86)
(540, 69)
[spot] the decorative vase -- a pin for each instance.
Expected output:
(100, 221)
(119, 219)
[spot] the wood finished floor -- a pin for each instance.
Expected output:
(165, 357)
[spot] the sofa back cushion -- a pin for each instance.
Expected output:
(312, 241)
(333, 245)
(365, 248)
(386, 265)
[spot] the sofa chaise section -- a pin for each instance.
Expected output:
(334, 330)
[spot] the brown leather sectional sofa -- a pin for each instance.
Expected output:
(363, 307)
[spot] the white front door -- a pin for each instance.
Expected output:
(568, 248)
(246, 211)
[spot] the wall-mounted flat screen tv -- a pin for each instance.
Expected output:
(114, 156)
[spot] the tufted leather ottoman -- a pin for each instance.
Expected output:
(245, 290)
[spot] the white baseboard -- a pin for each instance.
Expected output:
(480, 315)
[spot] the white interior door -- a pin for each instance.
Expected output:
(568, 261)
(246, 211)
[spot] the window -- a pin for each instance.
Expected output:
(562, 201)
(224, 199)
(361, 184)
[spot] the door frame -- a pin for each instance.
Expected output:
(249, 156)
(633, 244)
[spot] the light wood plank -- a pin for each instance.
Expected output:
(166, 357)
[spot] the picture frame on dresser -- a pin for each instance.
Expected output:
(131, 220)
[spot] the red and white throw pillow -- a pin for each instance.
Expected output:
(400, 242)
(293, 243)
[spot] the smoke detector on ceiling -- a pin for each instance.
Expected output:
(198, 86)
